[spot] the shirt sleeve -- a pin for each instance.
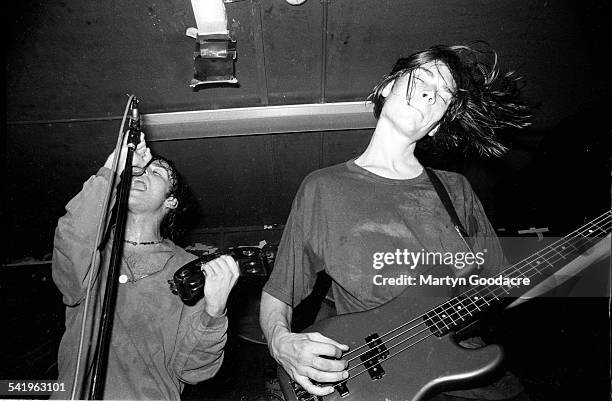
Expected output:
(75, 236)
(200, 347)
(295, 268)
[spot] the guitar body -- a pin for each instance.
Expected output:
(419, 372)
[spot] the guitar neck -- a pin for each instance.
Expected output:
(464, 308)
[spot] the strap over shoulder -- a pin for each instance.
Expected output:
(446, 201)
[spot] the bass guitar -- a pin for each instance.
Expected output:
(406, 349)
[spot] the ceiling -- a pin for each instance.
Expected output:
(71, 63)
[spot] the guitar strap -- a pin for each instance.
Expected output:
(448, 204)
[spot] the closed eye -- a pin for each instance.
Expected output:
(159, 173)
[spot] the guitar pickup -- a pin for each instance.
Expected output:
(371, 359)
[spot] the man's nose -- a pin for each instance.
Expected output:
(429, 97)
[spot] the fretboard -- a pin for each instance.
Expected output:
(464, 308)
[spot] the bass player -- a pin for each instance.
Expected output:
(383, 203)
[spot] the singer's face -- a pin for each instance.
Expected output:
(150, 187)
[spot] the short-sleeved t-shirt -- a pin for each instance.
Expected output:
(346, 220)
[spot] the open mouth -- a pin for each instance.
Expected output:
(138, 184)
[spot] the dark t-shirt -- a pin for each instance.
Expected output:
(356, 225)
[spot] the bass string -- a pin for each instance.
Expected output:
(388, 348)
(551, 249)
(392, 355)
(603, 219)
(372, 357)
(389, 357)
(384, 335)
(473, 293)
(605, 216)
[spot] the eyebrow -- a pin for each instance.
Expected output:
(427, 71)
(157, 164)
(431, 74)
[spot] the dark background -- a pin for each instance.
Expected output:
(69, 65)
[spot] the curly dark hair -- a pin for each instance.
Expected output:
(483, 102)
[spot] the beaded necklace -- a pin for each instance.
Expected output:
(143, 243)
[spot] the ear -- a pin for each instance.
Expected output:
(387, 89)
(171, 202)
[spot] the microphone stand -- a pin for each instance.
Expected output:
(100, 362)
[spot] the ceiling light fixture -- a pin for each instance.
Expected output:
(215, 50)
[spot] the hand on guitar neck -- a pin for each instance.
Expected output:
(306, 357)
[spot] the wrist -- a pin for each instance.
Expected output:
(279, 333)
(212, 321)
(215, 311)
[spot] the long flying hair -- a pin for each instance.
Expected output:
(484, 100)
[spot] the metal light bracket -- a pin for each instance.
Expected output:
(214, 60)
(215, 51)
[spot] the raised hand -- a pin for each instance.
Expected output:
(142, 155)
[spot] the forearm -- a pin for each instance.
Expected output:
(75, 237)
(200, 351)
(274, 318)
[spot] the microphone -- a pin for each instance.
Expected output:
(134, 130)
